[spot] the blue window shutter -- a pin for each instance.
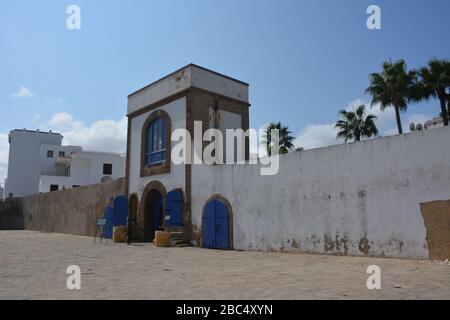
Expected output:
(156, 141)
(149, 146)
(163, 139)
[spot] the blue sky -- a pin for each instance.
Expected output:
(304, 59)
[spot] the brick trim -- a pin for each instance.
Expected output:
(127, 158)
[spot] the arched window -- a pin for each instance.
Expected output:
(155, 151)
(155, 144)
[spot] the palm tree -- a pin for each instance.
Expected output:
(355, 125)
(392, 87)
(285, 138)
(434, 82)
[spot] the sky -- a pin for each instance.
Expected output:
(304, 60)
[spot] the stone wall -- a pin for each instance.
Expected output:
(71, 211)
(11, 214)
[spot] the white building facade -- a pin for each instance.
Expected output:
(191, 94)
(365, 198)
(39, 163)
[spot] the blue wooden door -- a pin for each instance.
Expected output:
(209, 236)
(215, 225)
(221, 225)
(120, 211)
(174, 208)
(108, 214)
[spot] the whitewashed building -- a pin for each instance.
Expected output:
(364, 198)
(38, 162)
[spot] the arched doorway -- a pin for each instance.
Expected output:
(217, 224)
(150, 211)
(153, 215)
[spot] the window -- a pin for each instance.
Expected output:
(75, 186)
(62, 154)
(155, 151)
(107, 168)
(49, 153)
(155, 144)
(53, 187)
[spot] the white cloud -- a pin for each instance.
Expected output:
(321, 135)
(316, 136)
(61, 120)
(4, 152)
(23, 92)
(102, 135)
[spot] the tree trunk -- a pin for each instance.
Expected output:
(443, 109)
(399, 121)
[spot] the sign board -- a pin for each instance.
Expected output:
(101, 222)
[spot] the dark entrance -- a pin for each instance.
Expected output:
(153, 219)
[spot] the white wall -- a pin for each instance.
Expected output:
(336, 199)
(24, 161)
(46, 181)
(207, 80)
(230, 120)
(95, 170)
(175, 179)
(80, 171)
(48, 165)
(86, 168)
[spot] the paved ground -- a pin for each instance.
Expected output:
(33, 266)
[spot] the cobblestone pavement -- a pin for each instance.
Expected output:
(33, 266)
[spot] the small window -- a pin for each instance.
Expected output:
(49, 153)
(62, 154)
(107, 168)
(75, 186)
(10, 195)
(53, 187)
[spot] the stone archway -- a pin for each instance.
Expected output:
(228, 211)
(151, 210)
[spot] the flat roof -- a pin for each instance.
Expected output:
(86, 152)
(36, 131)
(185, 67)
